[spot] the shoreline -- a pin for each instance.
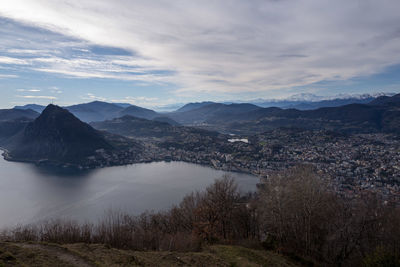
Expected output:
(63, 165)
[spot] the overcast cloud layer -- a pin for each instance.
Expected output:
(213, 47)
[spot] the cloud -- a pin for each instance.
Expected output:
(29, 51)
(37, 97)
(28, 90)
(7, 76)
(71, 59)
(13, 61)
(142, 101)
(55, 90)
(92, 97)
(148, 102)
(215, 47)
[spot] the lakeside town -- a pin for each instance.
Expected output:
(354, 164)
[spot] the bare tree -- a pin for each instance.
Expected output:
(216, 208)
(295, 207)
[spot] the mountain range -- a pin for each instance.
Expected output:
(306, 101)
(99, 111)
(308, 105)
(57, 135)
(379, 115)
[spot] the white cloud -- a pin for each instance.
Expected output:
(13, 61)
(29, 51)
(92, 97)
(147, 102)
(55, 90)
(7, 76)
(121, 68)
(141, 101)
(28, 90)
(37, 97)
(221, 46)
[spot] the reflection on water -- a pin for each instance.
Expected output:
(59, 171)
(29, 193)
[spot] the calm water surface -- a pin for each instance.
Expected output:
(29, 194)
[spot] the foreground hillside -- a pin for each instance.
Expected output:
(43, 254)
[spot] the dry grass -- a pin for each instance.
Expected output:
(41, 254)
(12, 254)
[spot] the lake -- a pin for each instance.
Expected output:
(29, 193)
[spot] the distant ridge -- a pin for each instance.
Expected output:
(138, 112)
(191, 106)
(386, 100)
(205, 112)
(10, 128)
(35, 107)
(167, 120)
(13, 121)
(12, 114)
(134, 127)
(310, 101)
(156, 132)
(95, 111)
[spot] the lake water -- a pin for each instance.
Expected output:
(29, 193)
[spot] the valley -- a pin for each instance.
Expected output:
(356, 147)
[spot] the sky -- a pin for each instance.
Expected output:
(158, 53)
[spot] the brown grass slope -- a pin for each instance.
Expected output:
(44, 254)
